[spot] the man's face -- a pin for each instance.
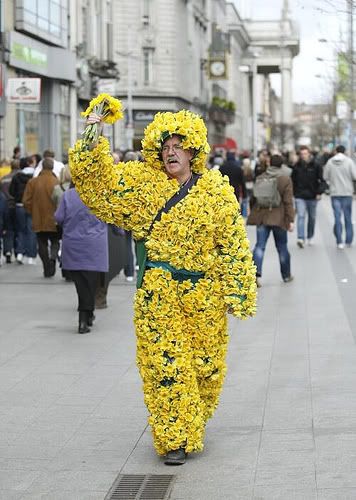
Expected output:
(304, 155)
(176, 159)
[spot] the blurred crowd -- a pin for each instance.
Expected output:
(42, 219)
(44, 222)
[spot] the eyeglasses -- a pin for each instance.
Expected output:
(175, 148)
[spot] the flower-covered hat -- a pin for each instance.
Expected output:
(186, 124)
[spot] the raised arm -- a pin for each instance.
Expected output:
(128, 195)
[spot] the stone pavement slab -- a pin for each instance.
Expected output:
(71, 408)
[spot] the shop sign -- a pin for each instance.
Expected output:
(143, 116)
(29, 55)
(24, 90)
(107, 86)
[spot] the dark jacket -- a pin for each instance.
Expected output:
(233, 170)
(18, 185)
(307, 180)
(280, 216)
(5, 186)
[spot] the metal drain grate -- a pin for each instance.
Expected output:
(141, 487)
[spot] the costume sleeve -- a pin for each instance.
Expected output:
(127, 195)
(236, 269)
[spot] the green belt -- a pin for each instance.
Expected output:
(179, 275)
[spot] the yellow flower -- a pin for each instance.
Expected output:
(181, 328)
(184, 123)
(110, 109)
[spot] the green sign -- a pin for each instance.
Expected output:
(29, 55)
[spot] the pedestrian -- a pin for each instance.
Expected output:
(117, 261)
(84, 252)
(273, 212)
(231, 167)
(64, 183)
(263, 162)
(216, 162)
(195, 266)
(16, 153)
(5, 167)
(339, 173)
(37, 158)
(9, 237)
(57, 165)
(3, 209)
(37, 200)
(308, 186)
(26, 242)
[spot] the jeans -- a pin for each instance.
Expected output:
(10, 235)
(303, 207)
(342, 205)
(26, 238)
(280, 240)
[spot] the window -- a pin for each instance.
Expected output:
(146, 11)
(147, 66)
(64, 118)
(28, 127)
(46, 19)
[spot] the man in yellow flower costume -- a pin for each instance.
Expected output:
(198, 267)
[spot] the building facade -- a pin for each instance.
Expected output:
(155, 55)
(36, 44)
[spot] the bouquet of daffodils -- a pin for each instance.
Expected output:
(108, 108)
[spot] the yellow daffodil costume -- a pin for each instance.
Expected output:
(199, 266)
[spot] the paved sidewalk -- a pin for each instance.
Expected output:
(71, 409)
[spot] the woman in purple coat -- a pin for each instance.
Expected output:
(84, 252)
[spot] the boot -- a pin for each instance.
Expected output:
(52, 267)
(100, 298)
(83, 322)
(91, 318)
(176, 457)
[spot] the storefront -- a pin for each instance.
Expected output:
(45, 124)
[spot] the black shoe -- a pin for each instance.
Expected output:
(83, 322)
(288, 279)
(52, 267)
(176, 457)
(8, 258)
(91, 318)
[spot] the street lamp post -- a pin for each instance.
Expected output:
(352, 78)
(254, 109)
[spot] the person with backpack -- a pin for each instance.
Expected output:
(272, 210)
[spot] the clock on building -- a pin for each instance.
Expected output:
(217, 68)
